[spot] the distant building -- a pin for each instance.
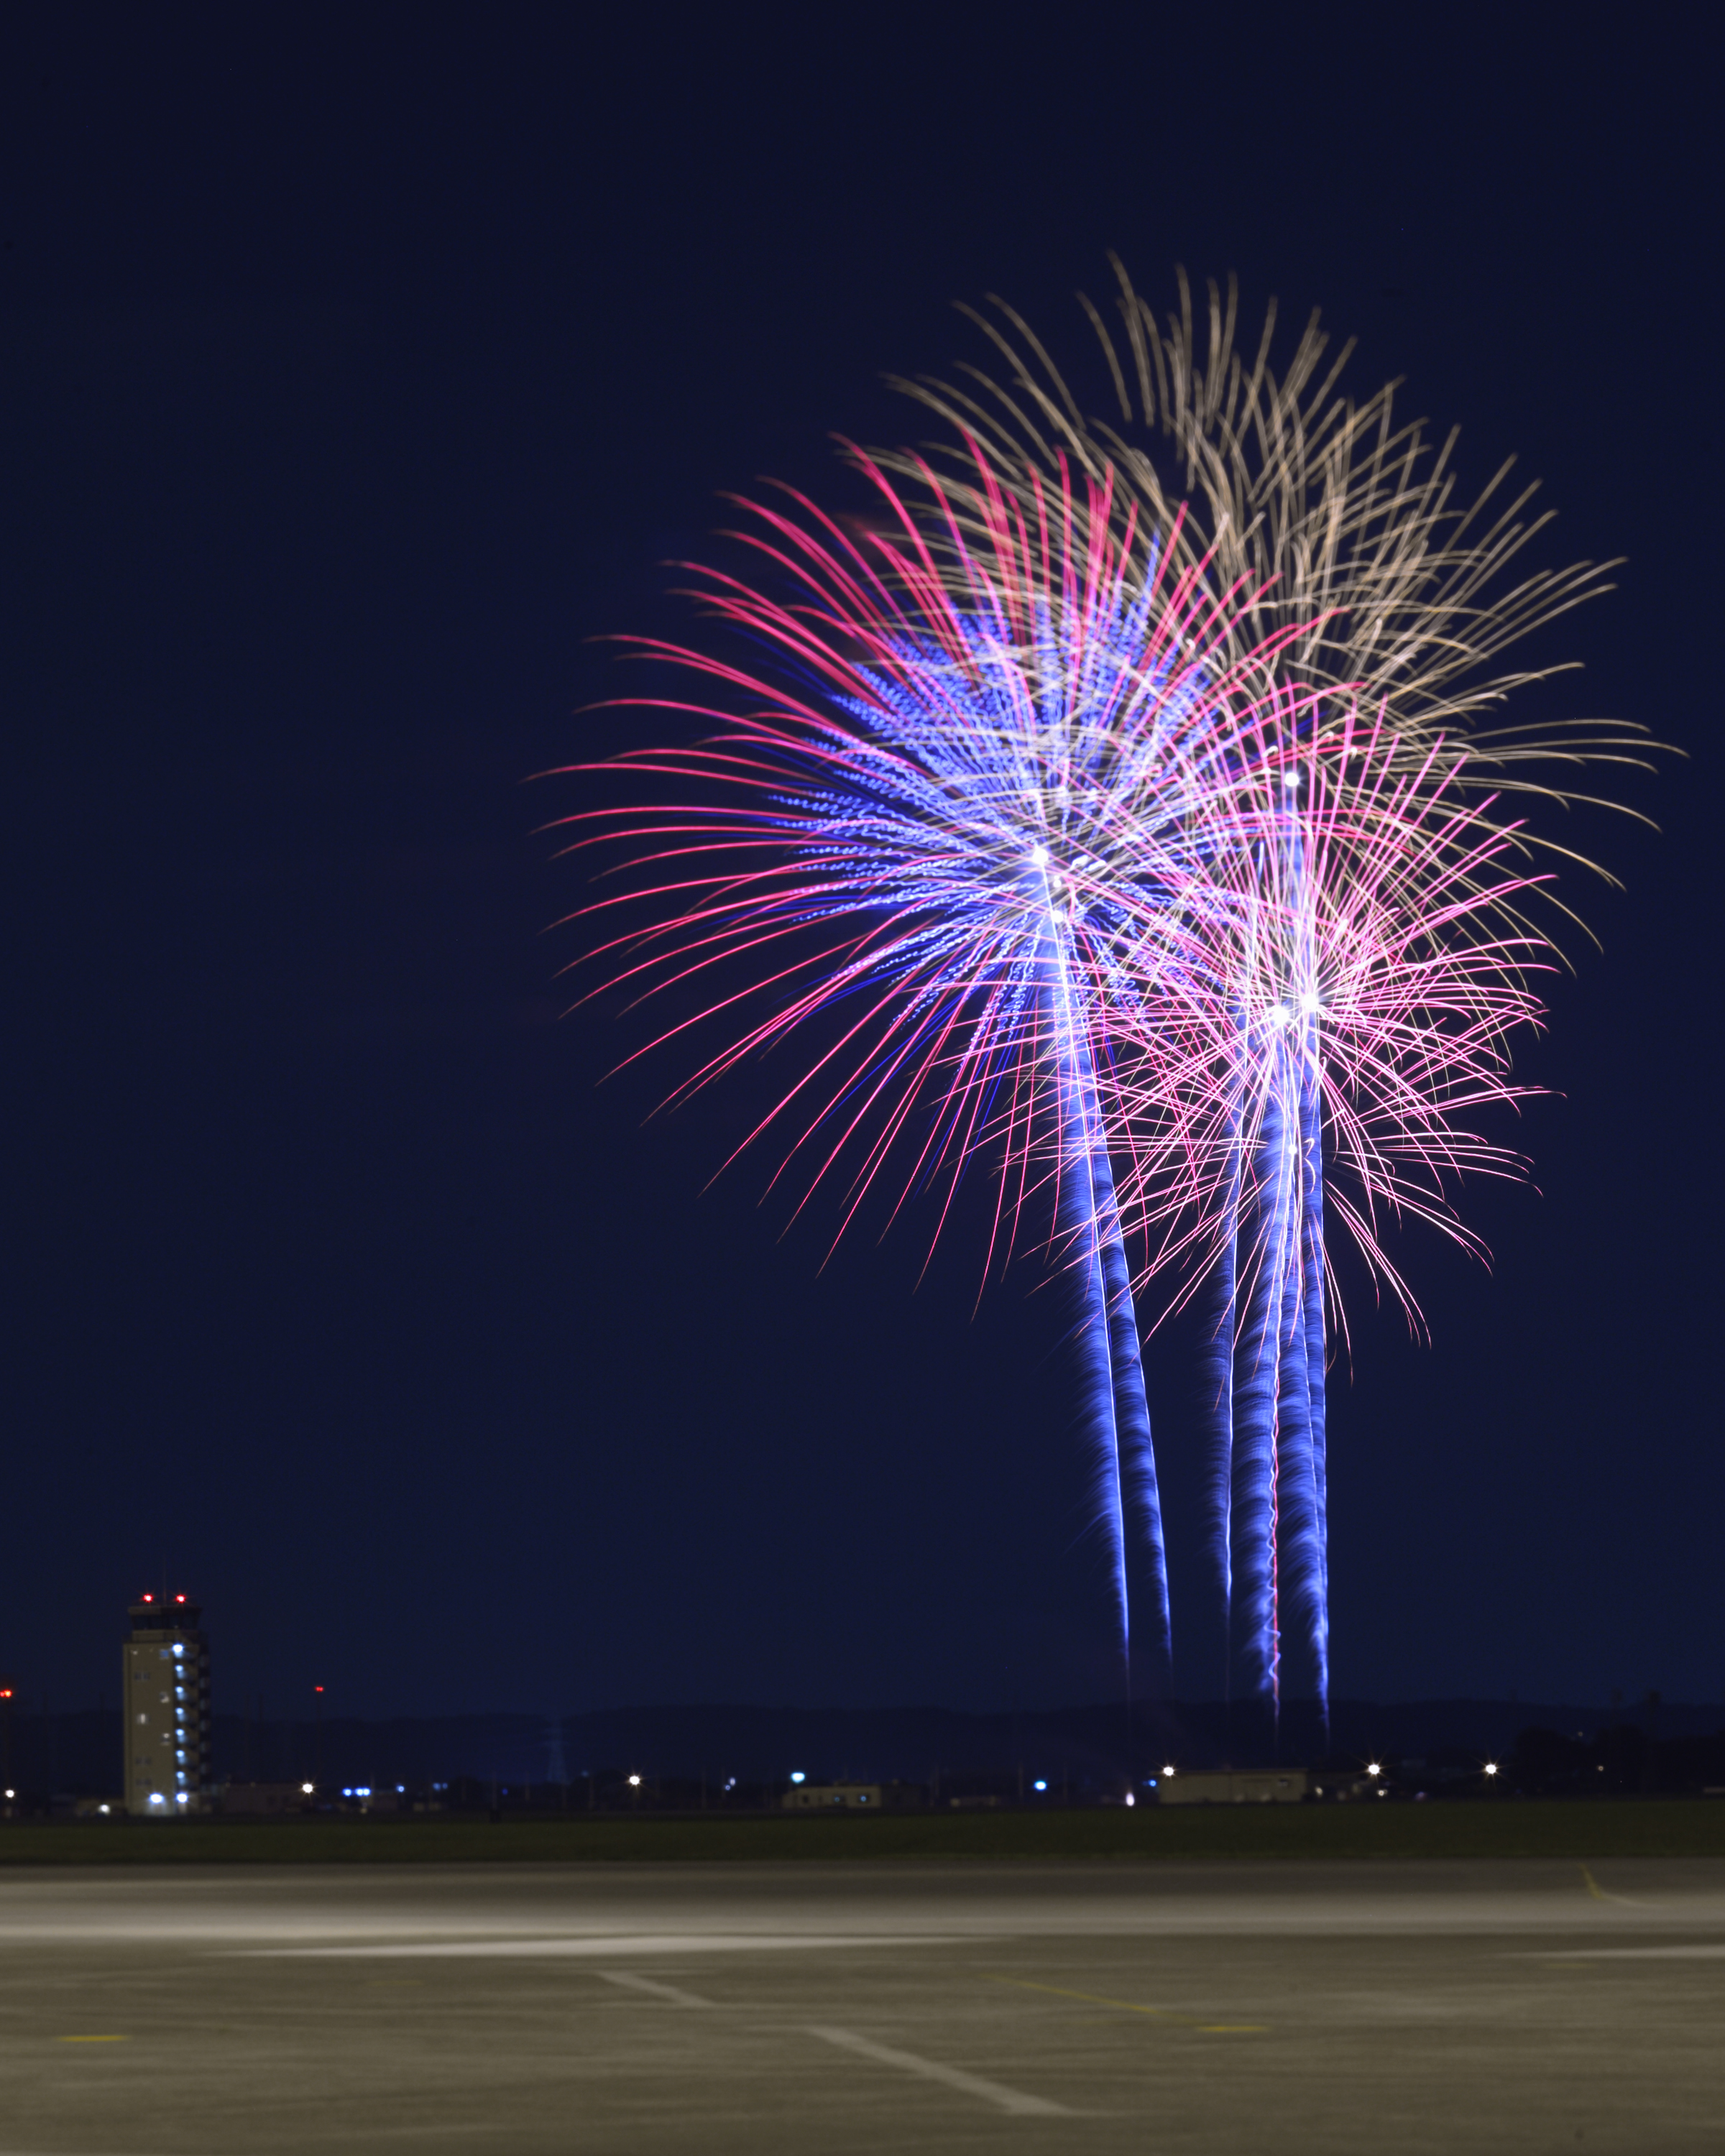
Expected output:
(1270, 1785)
(266, 1799)
(832, 1796)
(1341, 1788)
(164, 1690)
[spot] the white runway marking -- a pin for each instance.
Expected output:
(668, 1992)
(597, 1944)
(930, 2070)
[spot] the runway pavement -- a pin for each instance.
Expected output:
(1165, 2010)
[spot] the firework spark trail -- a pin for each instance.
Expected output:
(1317, 1594)
(1106, 1338)
(1255, 1462)
(1300, 1436)
(1219, 1349)
(954, 836)
(1282, 1204)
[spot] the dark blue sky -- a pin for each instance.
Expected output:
(360, 367)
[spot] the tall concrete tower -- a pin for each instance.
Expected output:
(166, 1693)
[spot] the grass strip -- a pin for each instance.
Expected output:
(1579, 1832)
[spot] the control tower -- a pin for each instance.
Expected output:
(165, 1696)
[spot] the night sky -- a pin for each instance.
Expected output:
(361, 368)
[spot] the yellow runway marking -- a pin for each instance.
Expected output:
(92, 2040)
(1599, 1894)
(1132, 2006)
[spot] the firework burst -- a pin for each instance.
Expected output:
(1386, 588)
(1366, 969)
(1116, 811)
(947, 840)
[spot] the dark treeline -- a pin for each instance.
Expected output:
(1079, 1749)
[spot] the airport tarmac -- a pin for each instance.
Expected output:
(1172, 2010)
